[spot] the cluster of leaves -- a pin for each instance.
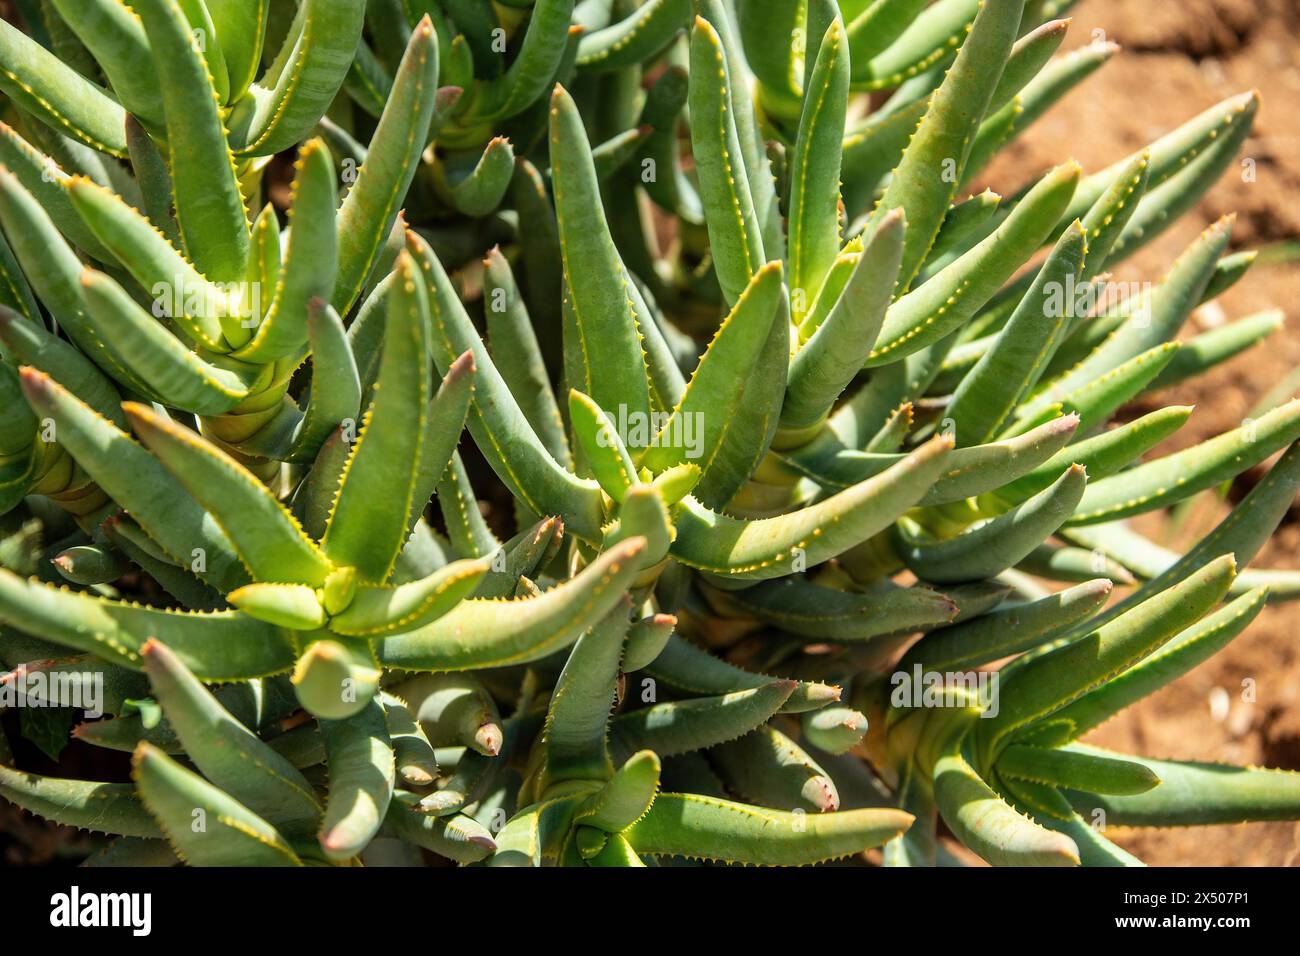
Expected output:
(235, 504)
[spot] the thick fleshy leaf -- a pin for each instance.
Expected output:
(812, 611)
(684, 726)
(947, 129)
(494, 633)
(826, 364)
(707, 828)
(209, 206)
(1178, 656)
(227, 753)
(1000, 543)
(500, 429)
(102, 807)
(627, 796)
(372, 204)
(815, 171)
(1163, 481)
(310, 260)
(359, 755)
(268, 539)
(987, 825)
(767, 547)
(384, 466)
(735, 232)
(769, 768)
(302, 81)
(216, 646)
(684, 666)
(377, 610)
(578, 717)
(1076, 770)
(947, 299)
(1196, 794)
(988, 394)
(1052, 680)
(58, 95)
(204, 825)
(699, 425)
(999, 634)
(603, 326)
(118, 42)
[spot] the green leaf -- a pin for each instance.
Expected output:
(601, 446)
(518, 355)
(49, 728)
(770, 768)
(43, 178)
(209, 205)
(499, 427)
(384, 468)
(118, 42)
(359, 755)
(240, 26)
(603, 327)
(56, 94)
(310, 260)
(101, 807)
(840, 344)
(494, 633)
(707, 828)
(336, 393)
(1197, 794)
(172, 372)
(217, 646)
(949, 298)
(1178, 656)
(205, 826)
(1153, 318)
(626, 797)
(1158, 483)
(377, 611)
(814, 229)
(635, 39)
(684, 726)
(989, 393)
(988, 826)
(457, 837)
(998, 634)
(479, 192)
(919, 185)
(372, 204)
(707, 408)
(1076, 770)
(808, 610)
(268, 539)
(999, 543)
(765, 548)
(300, 84)
(735, 233)
(135, 480)
(578, 717)
(226, 752)
(1052, 680)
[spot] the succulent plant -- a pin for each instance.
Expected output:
(779, 438)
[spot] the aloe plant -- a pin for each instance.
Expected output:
(757, 392)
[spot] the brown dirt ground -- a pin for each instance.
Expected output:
(1178, 58)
